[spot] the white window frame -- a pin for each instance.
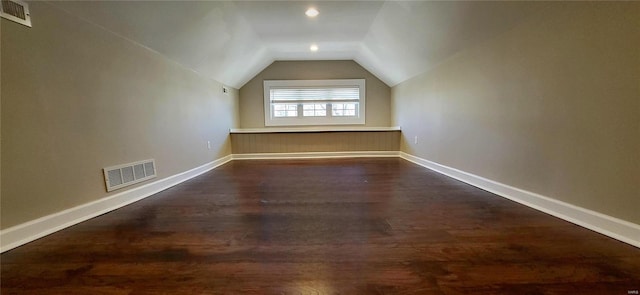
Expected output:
(270, 120)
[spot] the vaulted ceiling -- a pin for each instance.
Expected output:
(232, 41)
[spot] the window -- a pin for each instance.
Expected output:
(314, 102)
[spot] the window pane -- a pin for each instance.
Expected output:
(314, 110)
(343, 109)
(285, 110)
(314, 102)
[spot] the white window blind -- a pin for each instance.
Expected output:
(315, 94)
(314, 102)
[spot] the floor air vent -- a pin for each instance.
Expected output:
(120, 176)
(16, 10)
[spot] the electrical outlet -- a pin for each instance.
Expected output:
(415, 140)
(209, 144)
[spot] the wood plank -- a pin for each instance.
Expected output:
(338, 226)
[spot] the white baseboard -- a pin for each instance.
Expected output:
(610, 226)
(613, 227)
(315, 155)
(24, 233)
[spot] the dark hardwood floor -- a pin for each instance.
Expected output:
(343, 226)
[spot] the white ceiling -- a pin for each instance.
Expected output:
(233, 41)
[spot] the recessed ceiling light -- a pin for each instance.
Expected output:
(312, 12)
(313, 47)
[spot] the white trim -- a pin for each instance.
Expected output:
(24, 233)
(610, 226)
(313, 129)
(618, 229)
(316, 155)
(270, 120)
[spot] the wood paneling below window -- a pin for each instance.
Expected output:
(299, 142)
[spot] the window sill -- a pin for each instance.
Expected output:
(314, 129)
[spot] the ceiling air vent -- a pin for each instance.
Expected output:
(16, 10)
(123, 175)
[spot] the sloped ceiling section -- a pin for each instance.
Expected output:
(211, 38)
(233, 41)
(408, 38)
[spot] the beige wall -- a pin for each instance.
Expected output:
(552, 106)
(0, 122)
(252, 93)
(76, 98)
(244, 143)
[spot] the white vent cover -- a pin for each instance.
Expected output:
(123, 175)
(16, 10)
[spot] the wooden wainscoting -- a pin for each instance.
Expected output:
(301, 142)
